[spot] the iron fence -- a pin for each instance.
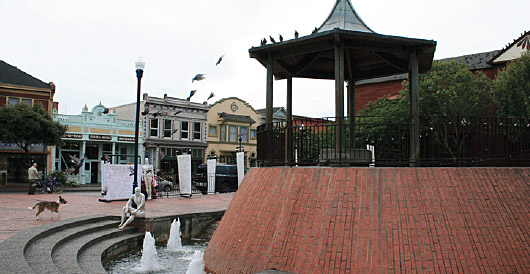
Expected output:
(385, 141)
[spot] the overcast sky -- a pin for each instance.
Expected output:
(88, 47)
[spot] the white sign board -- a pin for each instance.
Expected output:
(117, 181)
(240, 167)
(184, 164)
(212, 163)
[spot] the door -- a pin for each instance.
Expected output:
(94, 172)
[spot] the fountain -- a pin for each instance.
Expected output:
(148, 260)
(197, 264)
(175, 242)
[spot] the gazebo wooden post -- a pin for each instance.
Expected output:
(268, 102)
(350, 91)
(339, 96)
(414, 110)
(289, 124)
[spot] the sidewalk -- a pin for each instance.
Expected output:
(23, 188)
(16, 216)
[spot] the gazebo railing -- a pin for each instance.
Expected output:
(385, 141)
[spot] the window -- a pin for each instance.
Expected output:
(27, 101)
(232, 134)
(167, 128)
(123, 153)
(252, 134)
(212, 131)
(18, 100)
(154, 128)
(184, 130)
(243, 131)
(196, 131)
(222, 131)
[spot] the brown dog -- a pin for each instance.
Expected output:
(52, 206)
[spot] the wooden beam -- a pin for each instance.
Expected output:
(392, 60)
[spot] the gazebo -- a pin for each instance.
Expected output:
(344, 49)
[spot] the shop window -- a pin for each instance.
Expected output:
(167, 128)
(212, 131)
(184, 129)
(223, 133)
(243, 132)
(196, 131)
(232, 134)
(153, 129)
(123, 153)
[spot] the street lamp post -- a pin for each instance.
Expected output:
(139, 73)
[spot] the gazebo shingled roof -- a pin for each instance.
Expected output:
(367, 53)
(343, 49)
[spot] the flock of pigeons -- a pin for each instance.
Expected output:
(296, 35)
(200, 77)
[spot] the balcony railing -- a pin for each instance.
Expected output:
(385, 141)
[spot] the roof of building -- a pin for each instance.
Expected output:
(343, 16)
(262, 111)
(236, 118)
(12, 75)
(476, 61)
(523, 42)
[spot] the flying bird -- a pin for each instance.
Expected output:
(281, 38)
(198, 77)
(159, 112)
(272, 39)
(295, 34)
(220, 59)
(191, 94)
(77, 162)
(211, 96)
(146, 110)
(177, 112)
(263, 42)
(174, 131)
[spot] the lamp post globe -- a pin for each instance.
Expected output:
(140, 65)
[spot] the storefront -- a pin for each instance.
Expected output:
(93, 137)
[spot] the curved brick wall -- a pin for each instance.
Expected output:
(389, 220)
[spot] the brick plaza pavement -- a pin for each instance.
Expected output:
(15, 215)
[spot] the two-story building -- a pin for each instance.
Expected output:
(232, 125)
(94, 135)
(18, 87)
(171, 127)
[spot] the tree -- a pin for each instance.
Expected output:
(511, 89)
(449, 95)
(25, 125)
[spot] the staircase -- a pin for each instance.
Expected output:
(79, 245)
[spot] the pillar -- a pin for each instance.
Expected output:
(289, 122)
(269, 103)
(339, 95)
(414, 160)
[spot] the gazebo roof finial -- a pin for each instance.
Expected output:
(343, 16)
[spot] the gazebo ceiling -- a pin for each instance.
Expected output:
(367, 55)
